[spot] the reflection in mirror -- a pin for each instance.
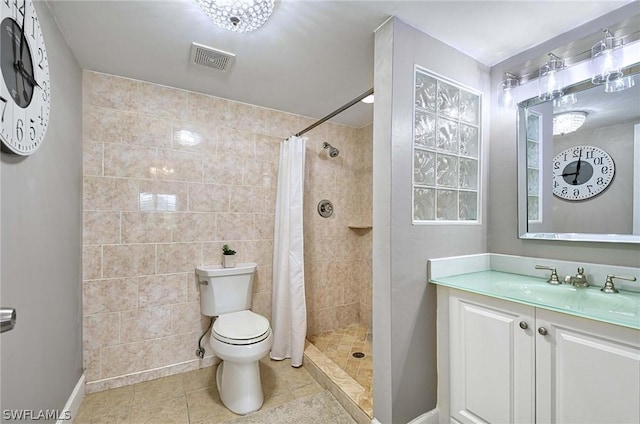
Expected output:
(579, 179)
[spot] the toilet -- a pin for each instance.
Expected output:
(239, 336)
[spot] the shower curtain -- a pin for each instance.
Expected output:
(289, 311)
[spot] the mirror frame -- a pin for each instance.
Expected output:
(577, 78)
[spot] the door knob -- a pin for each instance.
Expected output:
(542, 331)
(7, 319)
(524, 325)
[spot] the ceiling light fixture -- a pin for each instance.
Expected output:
(613, 86)
(568, 122)
(551, 79)
(506, 96)
(238, 15)
(605, 59)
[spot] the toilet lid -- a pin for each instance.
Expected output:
(243, 327)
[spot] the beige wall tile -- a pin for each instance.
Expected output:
(186, 317)
(128, 260)
(247, 199)
(222, 169)
(162, 196)
(199, 226)
(212, 252)
(126, 358)
(281, 124)
(234, 226)
(100, 296)
(145, 130)
(203, 108)
(261, 304)
(91, 363)
(179, 166)
(178, 257)
(264, 225)
(208, 198)
(147, 227)
(101, 330)
(247, 117)
(200, 137)
(145, 324)
(101, 227)
(267, 148)
(262, 279)
(108, 91)
(110, 194)
(102, 125)
(122, 160)
(92, 159)
(259, 173)
(91, 262)
(236, 142)
(159, 100)
(259, 251)
(166, 289)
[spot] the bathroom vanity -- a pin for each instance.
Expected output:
(513, 348)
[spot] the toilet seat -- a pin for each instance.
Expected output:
(241, 328)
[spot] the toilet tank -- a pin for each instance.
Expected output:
(225, 290)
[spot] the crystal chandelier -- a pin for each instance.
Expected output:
(238, 15)
(568, 122)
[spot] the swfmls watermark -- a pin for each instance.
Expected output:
(35, 415)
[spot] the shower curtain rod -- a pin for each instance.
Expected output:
(335, 112)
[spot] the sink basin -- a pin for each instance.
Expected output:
(590, 300)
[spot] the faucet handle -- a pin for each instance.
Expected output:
(553, 278)
(608, 284)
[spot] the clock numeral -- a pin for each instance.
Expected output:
(589, 154)
(600, 181)
(41, 116)
(555, 184)
(597, 161)
(6, 2)
(19, 130)
(45, 95)
(34, 20)
(20, 7)
(32, 129)
(576, 153)
(556, 165)
(589, 187)
(40, 57)
(576, 192)
(4, 108)
(605, 169)
(564, 191)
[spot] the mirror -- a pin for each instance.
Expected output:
(583, 184)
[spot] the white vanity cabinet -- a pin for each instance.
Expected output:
(508, 362)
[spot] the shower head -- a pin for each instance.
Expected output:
(333, 152)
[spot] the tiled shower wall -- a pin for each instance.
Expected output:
(169, 177)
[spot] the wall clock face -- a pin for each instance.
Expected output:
(24, 86)
(582, 172)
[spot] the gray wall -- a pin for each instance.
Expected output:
(502, 218)
(41, 246)
(404, 305)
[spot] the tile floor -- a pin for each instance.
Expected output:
(339, 346)
(190, 398)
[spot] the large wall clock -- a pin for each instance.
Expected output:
(582, 172)
(25, 98)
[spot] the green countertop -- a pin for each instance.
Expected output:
(615, 308)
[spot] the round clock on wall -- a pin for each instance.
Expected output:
(582, 172)
(24, 87)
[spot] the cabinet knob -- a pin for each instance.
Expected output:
(523, 325)
(542, 331)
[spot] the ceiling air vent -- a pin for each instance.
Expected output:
(211, 58)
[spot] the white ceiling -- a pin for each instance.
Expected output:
(312, 56)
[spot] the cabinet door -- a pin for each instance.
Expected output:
(587, 371)
(491, 369)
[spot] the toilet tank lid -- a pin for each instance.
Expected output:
(219, 271)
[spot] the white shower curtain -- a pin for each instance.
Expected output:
(289, 310)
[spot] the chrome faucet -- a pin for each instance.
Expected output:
(579, 280)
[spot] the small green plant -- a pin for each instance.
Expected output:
(226, 250)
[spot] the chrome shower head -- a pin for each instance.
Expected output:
(333, 152)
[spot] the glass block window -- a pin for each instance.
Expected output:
(534, 173)
(446, 151)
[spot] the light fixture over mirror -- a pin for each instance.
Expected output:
(551, 80)
(506, 95)
(605, 59)
(238, 15)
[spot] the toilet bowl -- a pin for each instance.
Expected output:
(240, 339)
(239, 336)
